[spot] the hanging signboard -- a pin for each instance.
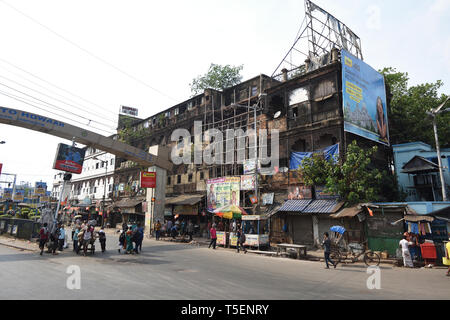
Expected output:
(267, 198)
(248, 182)
(7, 193)
(19, 195)
(222, 192)
(299, 193)
(148, 179)
(69, 159)
(364, 100)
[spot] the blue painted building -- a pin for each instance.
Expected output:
(417, 171)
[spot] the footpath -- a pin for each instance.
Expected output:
(312, 255)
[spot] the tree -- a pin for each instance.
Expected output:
(218, 77)
(354, 179)
(408, 120)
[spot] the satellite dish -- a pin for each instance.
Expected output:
(277, 114)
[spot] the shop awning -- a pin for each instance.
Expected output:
(323, 206)
(185, 199)
(418, 218)
(347, 212)
(127, 203)
(294, 205)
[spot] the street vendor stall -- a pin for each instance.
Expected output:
(228, 212)
(256, 230)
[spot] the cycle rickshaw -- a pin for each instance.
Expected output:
(343, 252)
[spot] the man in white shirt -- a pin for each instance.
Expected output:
(404, 244)
(86, 239)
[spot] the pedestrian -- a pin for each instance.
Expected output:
(129, 242)
(327, 250)
(87, 236)
(169, 228)
(174, 231)
(75, 239)
(213, 237)
(190, 230)
(209, 228)
(138, 238)
(404, 244)
(124, 227)
(121, 240)
(54, 236)
(102, 238)
(183, 228)
(157, 229)
(43, 237)
(240, 240)
(61, 237)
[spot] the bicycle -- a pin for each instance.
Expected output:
(353, 253)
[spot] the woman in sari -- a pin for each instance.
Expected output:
(129, 242)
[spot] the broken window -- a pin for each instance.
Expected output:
(298, 95)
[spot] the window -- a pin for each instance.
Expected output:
(96, 165)
(202, 175)
(254, 91)
(112, 161)
(190, 177)
(169, 181)
(189, 105)
(176, 111)
(178, 178)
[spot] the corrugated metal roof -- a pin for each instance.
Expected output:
(322, 206)
(294, 205)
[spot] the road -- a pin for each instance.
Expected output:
(167, 270)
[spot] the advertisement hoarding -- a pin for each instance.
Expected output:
(129, 110)
(19, 195)
(40, 188)
(7, 193)
(222, 192)
(299, 193)
(69, 159)
(148, 179)
(364, 100)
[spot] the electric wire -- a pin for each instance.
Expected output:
(54, 85)
(53, 98)
(87, 51)
(55, 106)
(23, 100)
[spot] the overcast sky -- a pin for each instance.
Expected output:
(103, 54)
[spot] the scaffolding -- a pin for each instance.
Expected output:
(319, 33)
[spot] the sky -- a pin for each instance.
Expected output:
(88, 58)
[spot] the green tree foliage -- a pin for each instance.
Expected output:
(408, 120)
(218, 77)
(354, 180)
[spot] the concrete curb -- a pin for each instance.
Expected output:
(17, 247)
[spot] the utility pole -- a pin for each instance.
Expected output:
(433, 113)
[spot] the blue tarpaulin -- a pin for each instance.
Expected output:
(331, 152)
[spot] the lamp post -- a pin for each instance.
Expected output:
(433, 113)
(104, 189)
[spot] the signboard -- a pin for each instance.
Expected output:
(69, 159)
(364, 100)
(148, 179)
(44, 199)
(249, 166)
(222, 192)
(19, 195)
(1, 165)
(128, 110)
(221, 238)
(322, 194)
(299, 193)
(254, 240)
(7, 193)
(248, 182)
(40, 188)
(185, 210)
(233, 239)
(267, 198)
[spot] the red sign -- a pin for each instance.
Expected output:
(1, 165)
(148, 179)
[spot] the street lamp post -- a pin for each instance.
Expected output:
(433, 113)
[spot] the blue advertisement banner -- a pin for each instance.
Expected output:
(364, 100)
(40, 188)
(331, 152)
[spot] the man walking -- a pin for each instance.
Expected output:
(87, 235)
(61, 237)
(240, 240)
(157, 229)
(138, 238)
(43, 237)
(102, 238)
(404, 244)
(327, 250)
(213, 237)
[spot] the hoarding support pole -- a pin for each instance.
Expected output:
(59, 201)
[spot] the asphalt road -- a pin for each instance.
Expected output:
(179, 271)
